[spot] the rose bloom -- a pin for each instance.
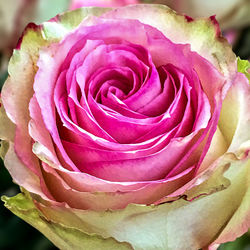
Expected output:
(128, 128)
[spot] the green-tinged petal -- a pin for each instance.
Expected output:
(66, 22)
(37, 36)
(62, 236)
(7, 131)
(244, 67)
(7, 128)
(214, 182)
(217, 148)
(234, 119)
(203, 35)
(240, 221)
(181, 224)
(16, 94)
(4, 146)
(17, 89)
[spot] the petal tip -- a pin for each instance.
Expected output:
(216, 25)
(30, 26)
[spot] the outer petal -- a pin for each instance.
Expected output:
(62, 236)
(19, 160)
(7, 131)
(235, 126)
(234, 120)
(176, 225)
(240, 221)
(234, 123)
(16, 93)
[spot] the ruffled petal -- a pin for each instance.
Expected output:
(62, 236)
(166, 225)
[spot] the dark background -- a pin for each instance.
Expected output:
(15, 234)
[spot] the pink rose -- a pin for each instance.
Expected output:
(129, 124)
(75, 4)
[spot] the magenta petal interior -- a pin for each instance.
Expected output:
(127, 108)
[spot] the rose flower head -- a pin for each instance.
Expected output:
(128, 128)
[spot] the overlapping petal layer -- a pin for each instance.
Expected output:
(105, 118)
(99, 102)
